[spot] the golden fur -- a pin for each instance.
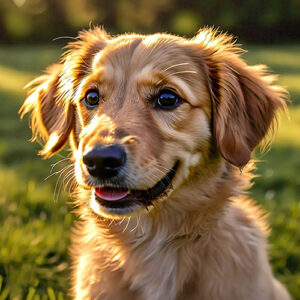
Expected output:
(202, 240)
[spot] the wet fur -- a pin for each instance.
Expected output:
(205, 240)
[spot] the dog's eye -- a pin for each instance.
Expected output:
(91, 98)
(167, 99)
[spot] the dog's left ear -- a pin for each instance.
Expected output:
(244, 101)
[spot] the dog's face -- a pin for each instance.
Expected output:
(145, 112)
(138, 108)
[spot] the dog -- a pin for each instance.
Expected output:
(161, 130)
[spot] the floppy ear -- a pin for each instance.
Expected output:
(51, 116)
(50, 96)
(244, 101)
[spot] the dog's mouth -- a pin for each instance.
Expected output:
(114, 197)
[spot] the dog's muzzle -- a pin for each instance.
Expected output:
(105, 164)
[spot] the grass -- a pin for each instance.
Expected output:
(34, 262)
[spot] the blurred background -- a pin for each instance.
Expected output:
(35, 216)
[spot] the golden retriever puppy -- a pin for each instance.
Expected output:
(162, 129)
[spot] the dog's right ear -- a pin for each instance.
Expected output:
(51, 116)
(49, 100)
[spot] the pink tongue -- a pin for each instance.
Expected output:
(109, 194)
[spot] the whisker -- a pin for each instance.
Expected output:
(143, 232)
(61, 173)
(121, 221)
(163, 173)
(55, 173)
(73, 186)
(137, 223)
(64, 37)
(69, 173)
(112, 220)
(162, 167)
(176, 65)
(179, 72)
(53, 165)
(127, 224)
(71, 177)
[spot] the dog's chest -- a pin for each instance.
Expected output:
(161, 270)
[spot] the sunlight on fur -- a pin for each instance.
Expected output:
(161, 130)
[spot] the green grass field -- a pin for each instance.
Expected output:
(34, 239)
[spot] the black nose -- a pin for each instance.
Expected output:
(105, 162)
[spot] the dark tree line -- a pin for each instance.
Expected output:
(252, 20)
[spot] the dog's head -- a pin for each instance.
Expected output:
(144, 112)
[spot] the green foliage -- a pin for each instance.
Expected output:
(252, 20)
(34, 262)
